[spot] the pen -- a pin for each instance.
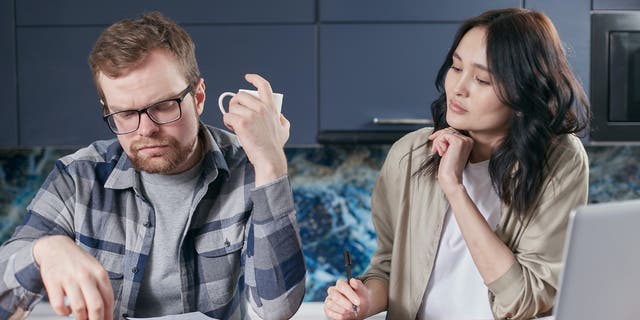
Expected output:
(347, 267)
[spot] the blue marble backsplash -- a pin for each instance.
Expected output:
(332, 190)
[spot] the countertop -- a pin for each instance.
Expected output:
(308, 311)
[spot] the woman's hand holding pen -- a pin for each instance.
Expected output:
(454, 148)
(343, 296)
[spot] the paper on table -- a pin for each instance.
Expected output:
(185, 316)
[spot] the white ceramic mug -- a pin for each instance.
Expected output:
(277, 99)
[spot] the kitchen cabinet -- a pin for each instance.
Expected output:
(56, 89)
(378, 64)
(571, 18)
(406, 10)
(284, 54)
(349, 70)
(56, 100)
(616, 5)
(58, 103)
(81, 12)
(9, 106)
(378, 71)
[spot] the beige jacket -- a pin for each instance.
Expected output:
(408, 214)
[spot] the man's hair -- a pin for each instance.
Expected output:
(125, 44)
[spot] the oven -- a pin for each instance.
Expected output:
(615, 75)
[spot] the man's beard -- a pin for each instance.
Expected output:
(173, 157)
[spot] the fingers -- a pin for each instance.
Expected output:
(284, 123)
(243, 101)
(346, 290)
(444, 138)
(341, 299)
(241, 116)
(88, 300)
(332, 314)
(67, 270)
(56, 299)
(239, 120)
(76, 301)
(334, 309)
(94, 302)
(263, 86)
(265, 93)
(106, 293)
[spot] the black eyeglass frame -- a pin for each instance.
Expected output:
(178, 100)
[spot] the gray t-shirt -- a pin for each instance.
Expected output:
(172, 198)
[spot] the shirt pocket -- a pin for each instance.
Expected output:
(218, 263)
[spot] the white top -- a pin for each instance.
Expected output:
(456, 289)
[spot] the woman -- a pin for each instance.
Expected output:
(471, 215)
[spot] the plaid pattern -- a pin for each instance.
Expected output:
(237, 234)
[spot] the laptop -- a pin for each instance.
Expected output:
(601, 276)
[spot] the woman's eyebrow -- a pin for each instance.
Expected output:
(480, 66)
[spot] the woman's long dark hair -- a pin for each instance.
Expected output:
(532, 76)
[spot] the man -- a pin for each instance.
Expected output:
(172, 216)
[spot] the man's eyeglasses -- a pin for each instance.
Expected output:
(163, 112)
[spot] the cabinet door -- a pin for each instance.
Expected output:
(59, 104)
(58, 101)
(407, 10)
(284, 55)
(9, 105)
(616, 5)
(82, 12)
(379, 71)
(575, 32)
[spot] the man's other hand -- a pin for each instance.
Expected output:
(69, 271)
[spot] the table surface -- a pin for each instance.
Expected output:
(308, 311)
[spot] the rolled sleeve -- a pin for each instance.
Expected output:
(272, 200)
(21, 277)
(27, 272)
(529, 287)
(274, 268)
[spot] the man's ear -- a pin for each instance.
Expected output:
(200, 96)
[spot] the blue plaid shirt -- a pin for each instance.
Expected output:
(242, 242)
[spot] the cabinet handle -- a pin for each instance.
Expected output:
(407, 121)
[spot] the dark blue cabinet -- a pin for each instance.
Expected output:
(406, 10)
(384, 71)
(574, 31)
(616, 5)
(59, 104)
(340, 64)
(9, 105)
(285, 55)
(378, 63)
(58, 101)
(82, 12)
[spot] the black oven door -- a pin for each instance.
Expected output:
(615, 76)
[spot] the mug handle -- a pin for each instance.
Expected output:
(221, 100)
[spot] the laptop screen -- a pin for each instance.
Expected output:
(601, 275)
